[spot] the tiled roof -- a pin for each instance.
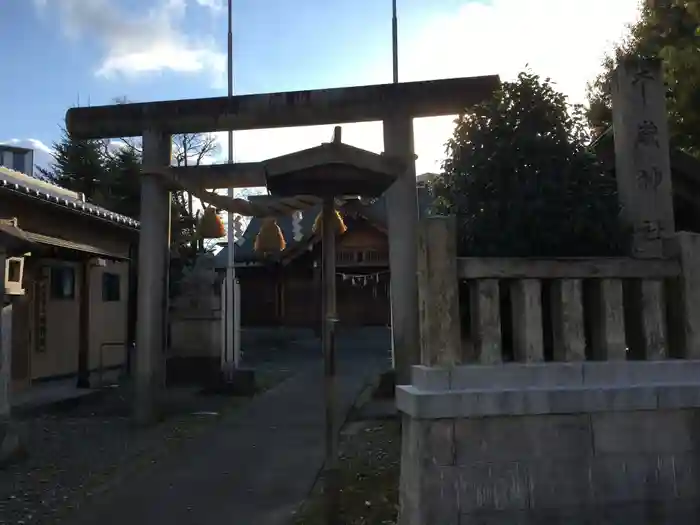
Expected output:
(25, 185)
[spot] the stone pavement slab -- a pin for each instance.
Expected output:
(254, 468)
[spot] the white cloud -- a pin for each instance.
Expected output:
(214, 5)
(154, 40)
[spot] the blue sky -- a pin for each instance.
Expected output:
(65, 51)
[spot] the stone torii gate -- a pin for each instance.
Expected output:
(396, 105)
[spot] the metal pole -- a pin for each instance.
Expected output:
(232, 348)
(395, 41)
(395, 58)
(332, 489)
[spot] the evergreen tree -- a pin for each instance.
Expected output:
(521, 181)
(78, 165)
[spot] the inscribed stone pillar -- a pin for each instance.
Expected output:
(154, 244)
(642, 162)
(402, 219)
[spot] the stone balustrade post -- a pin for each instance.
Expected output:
(686, 247)
(440, 339)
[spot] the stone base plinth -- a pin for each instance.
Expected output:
(552, 443)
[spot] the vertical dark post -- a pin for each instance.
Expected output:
(5, 359)
(84, 324)
(329, 319)
(395, 42)
(131, 308)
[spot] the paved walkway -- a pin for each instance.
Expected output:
(253, 469)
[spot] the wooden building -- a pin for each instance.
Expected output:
(285, 290)
(72, 320)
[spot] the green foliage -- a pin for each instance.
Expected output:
(122, 194)
(77, 165)
(521, 181)
(107, 175)
(670, 31)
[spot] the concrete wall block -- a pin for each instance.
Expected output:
(627, 398)
(686, 471)
(469, 403)
(641, 372)
(643, 431)
(498, 403)
(439, 442)
(497, 517)
(441, 406)
(624, 513)
(408, 399)
(492, 439)
(494, 486)
(411, 472)
(536, 402)
(647, 513)
(573, 401)
(679, 396)
(441, 495)
(430, 377)
(620, 478)
(517, 375)
(559, 483)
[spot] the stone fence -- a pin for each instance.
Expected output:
(571, 397)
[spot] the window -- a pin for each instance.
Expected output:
(110, 287)
(18, 162)
(14, 269)
(62, 282)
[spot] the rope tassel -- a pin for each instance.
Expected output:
(337, 220)
(269, 239)
(210, 225)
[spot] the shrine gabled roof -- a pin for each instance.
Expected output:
(334, 153)
(374, 210)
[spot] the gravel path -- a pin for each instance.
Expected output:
(78, 453)
(83, 452)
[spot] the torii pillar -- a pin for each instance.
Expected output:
(153, 261)
(402, 220)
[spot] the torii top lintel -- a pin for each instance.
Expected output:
(275, 110)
